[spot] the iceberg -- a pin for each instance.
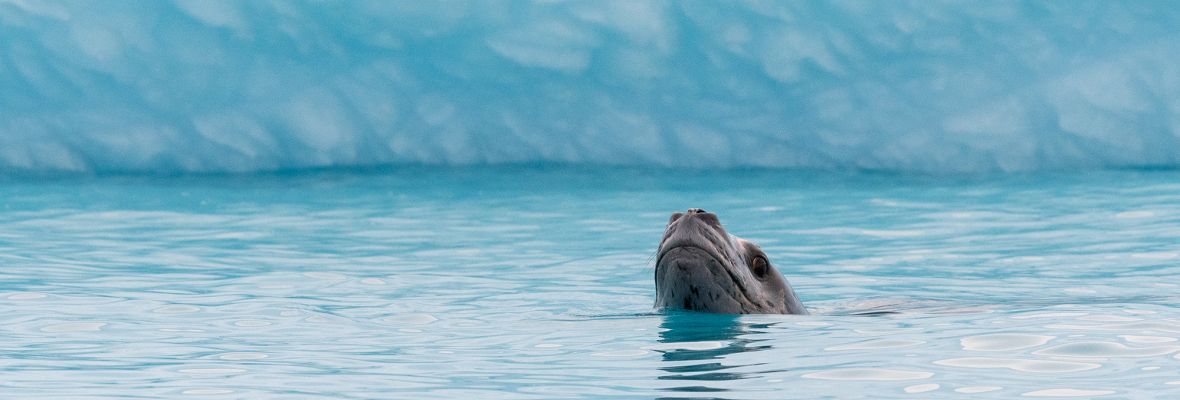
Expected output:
(912, 86)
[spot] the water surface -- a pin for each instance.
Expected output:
(537, 283)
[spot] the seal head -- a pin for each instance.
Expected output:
(701, 267)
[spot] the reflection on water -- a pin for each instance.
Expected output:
(694, 348)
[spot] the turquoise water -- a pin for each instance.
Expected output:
(536, 283)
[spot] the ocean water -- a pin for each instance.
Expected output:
(536, 283)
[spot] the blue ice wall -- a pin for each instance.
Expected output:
(206, 85)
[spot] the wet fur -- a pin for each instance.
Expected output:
(701, 267)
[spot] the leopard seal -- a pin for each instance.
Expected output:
(701, 267)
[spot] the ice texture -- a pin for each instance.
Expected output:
(919, 86)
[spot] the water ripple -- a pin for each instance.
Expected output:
(1105, 349)
(1022, 365)
(869, 374)
(471, 284)
(1067, 393)
(1003, 342)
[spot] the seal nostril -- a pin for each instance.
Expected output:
(696, 211)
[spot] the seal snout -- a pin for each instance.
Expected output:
(692, 278)
(691, 211)
(695, 213)
(696, 228)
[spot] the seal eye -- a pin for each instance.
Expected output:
(760, 266)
